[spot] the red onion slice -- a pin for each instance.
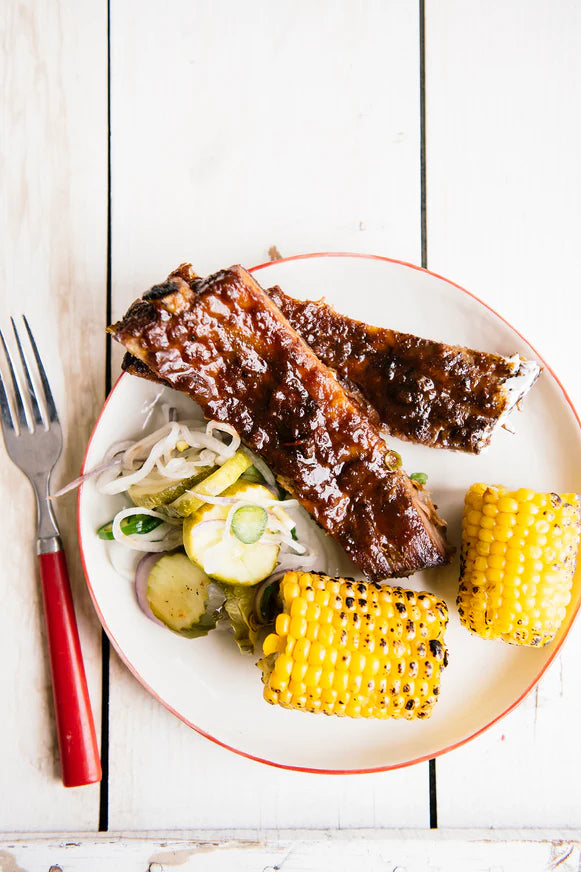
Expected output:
(144, 567)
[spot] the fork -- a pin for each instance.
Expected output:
(34, 443)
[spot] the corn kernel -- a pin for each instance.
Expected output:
(301, 651)
(327, 678)
(340, 681)
(298, 627)
(282, 624)
(297, 687)
(277, 682)
(329, 695)
(298, 609)
(317, 654)
(312, 676)
(507, 504)
(290, 591)
(326, 635)
(313, 611)
(271, 644)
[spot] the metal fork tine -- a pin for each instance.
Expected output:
(50, 406)
(5, 412)
(20, 410)
(36, 414)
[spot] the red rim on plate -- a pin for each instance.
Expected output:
(438, 753)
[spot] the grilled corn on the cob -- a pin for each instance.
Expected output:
(355, 648)
(517, 562)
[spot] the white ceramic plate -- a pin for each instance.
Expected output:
(217, 691)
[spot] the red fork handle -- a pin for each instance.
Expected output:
(75, 726)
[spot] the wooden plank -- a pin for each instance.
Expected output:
(297, 852)
(503, 181)
(235, 128)
(52, 267)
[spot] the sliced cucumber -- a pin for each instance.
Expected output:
(229, 560)
(182, 596)
(150, 496)
(211, 486)
(249, 523)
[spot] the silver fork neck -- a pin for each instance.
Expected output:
(46, 525)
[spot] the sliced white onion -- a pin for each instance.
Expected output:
(117, 556)
(275, 539)
(118, 448)
(147, 408)
(286, 522)
(229, 518)
(289, 562)
(249, 499)
(72, 485)
(142, 447)
(178, 468)
(262, 467)
(168, 535)
(122, 483)
(234, 445)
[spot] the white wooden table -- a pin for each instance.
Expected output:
(149, 133)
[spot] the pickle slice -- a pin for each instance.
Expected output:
(213, 485)
(152, 496)
(182, 596)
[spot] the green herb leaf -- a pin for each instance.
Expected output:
(420, 477)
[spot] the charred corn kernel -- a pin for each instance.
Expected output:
(383, 658)
(323, 597)
(528, 579)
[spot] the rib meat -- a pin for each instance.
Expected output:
(440, 395)
(443, 396)
(222, 341)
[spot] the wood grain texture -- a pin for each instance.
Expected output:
(504, 180)
(52, 267)
(236, 128)
(303, 852)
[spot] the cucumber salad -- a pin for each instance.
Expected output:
(216, 530)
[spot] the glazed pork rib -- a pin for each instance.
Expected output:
(444, 396)
(224, 343)
(440, 395)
